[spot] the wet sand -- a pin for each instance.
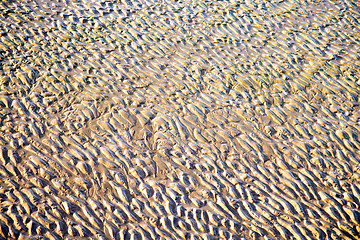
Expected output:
(179, 119)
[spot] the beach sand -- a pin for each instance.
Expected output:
(179, 119)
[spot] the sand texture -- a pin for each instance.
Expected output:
(179, 119)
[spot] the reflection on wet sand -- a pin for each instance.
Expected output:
(179, 119)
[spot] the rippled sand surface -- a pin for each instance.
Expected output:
(179, 119)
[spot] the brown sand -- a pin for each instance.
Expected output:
(179, 119)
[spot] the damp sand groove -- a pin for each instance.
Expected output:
(179, 119)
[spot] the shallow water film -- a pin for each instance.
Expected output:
(179, 119)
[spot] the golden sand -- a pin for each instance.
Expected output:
(147, 119)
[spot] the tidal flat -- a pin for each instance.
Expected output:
(179, 119)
